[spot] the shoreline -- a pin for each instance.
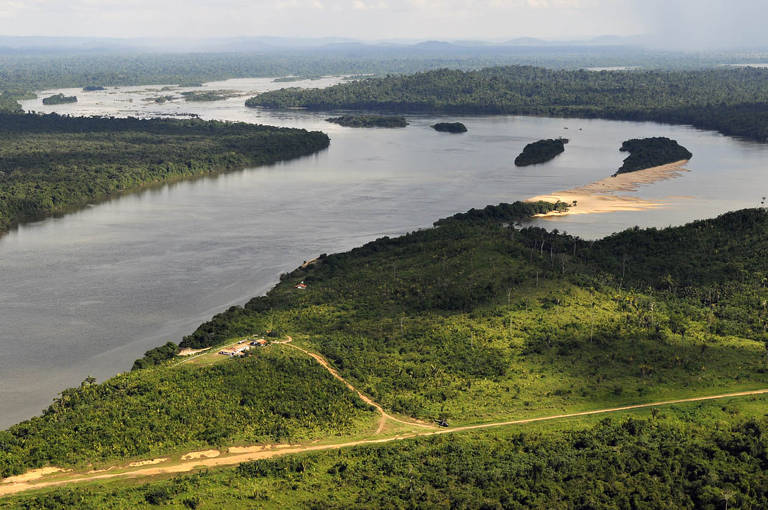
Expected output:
(603, 196)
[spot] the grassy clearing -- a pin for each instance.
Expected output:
(573, 463)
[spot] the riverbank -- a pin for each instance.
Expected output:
(52, 164)
(604, 196)
(153, 265)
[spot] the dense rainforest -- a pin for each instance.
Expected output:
(698, 457)
(733, 101)
(274, 397)
(540, 151)
(649, 152)
(369, 121)
(207, 95)
(25, 73)
(59, 99)
(50, 164)
(475, 320)
(450, 127)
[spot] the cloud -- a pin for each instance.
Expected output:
(692, 23)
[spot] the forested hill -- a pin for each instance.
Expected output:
(50, 164)
(473, 321)
(732, 101)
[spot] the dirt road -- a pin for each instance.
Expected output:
(186, 466)
(22, 483)
(384, 415)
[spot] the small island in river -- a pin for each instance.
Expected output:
(93, 88)
(208, 95)
(540, 152)
(59, 99)
(651, 152)
(367, 121)
(450, 127)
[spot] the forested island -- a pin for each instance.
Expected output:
(450, 127)
(369, 121)
(59, 99)
(733, 101)
(649, 152)
(473, 321)
(208, 95)
(541, 151)
(50, 164)
(161, 99)
(93, 88)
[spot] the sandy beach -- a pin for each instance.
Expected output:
(604, 196)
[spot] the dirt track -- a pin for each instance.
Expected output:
(277, 450)
(384, 415)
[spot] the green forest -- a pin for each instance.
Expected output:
(683, 457)
(733, 101)
(26, 73)
(59, 99)
(477, 319)
(369, 121)
(650, 152)
(274, 397)
(449, 127)
(540, 151)
(470, 321)
(481, 319)
(51, 164)
(473, 320)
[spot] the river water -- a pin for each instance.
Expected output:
(88, 293)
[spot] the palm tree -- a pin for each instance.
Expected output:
(727, 495)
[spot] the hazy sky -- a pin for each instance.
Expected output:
(689, 22)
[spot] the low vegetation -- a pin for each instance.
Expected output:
(649, 152)
(50, 164)
(476, 320)
(683, 457)
(156, 356)
(9, 103)
(733, 101)
(450, 127)
(540, 152)
(269, 397)
(59, 99)
(208, 95)
(506, 213)
(369, 121)
(161, 99)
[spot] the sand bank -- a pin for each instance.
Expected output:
(207, 454)
(148, 462)
(32, 474)
(604, 195)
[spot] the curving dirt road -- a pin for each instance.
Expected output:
(384, 415)
(266, 452)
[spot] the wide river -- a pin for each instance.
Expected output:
(88, 293)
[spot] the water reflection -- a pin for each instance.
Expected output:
(87, 293)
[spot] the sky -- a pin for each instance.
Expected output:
(683, 23)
